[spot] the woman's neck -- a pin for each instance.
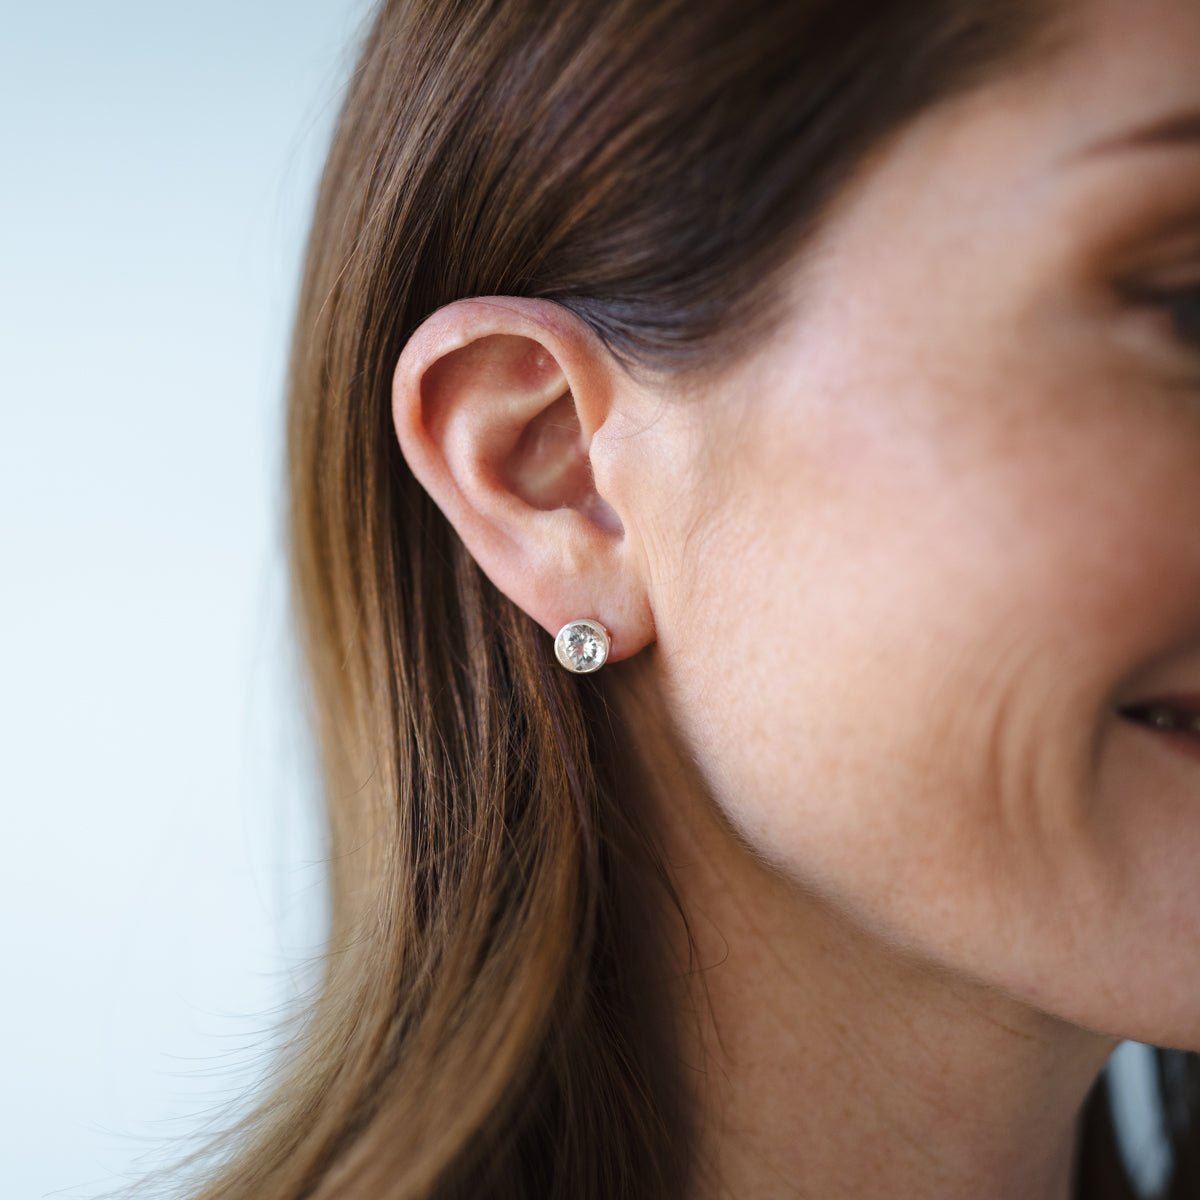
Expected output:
(826, 1063)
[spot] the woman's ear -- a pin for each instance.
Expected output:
(498, 403)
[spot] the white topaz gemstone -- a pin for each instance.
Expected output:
(582, 646)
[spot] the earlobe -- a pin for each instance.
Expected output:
(496, 402)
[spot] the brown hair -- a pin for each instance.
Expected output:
(491, 1020)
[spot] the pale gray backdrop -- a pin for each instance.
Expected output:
(160, 882)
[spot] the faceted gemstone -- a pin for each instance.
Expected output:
(582, 646)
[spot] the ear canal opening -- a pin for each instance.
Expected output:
(549, 467)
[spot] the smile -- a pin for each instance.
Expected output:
(1177, 721)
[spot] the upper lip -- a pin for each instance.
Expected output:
(1182, 702)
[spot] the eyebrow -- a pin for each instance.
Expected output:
(1174, 129)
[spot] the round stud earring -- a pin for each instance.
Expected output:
(582, 645)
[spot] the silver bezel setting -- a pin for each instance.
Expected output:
(587, 635)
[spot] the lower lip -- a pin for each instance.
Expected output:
(1184, 742)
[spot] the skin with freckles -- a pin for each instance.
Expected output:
(875, 594)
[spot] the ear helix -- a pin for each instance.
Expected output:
(582, 646)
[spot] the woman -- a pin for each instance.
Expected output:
(841, 363)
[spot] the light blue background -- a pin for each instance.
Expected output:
(160, 882)
(161, 886)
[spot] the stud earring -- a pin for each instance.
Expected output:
(582, 646)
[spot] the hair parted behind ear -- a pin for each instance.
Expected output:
(492, 1020)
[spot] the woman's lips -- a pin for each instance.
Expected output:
(1185, 703)
(1174, 718)
(1182, 740)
